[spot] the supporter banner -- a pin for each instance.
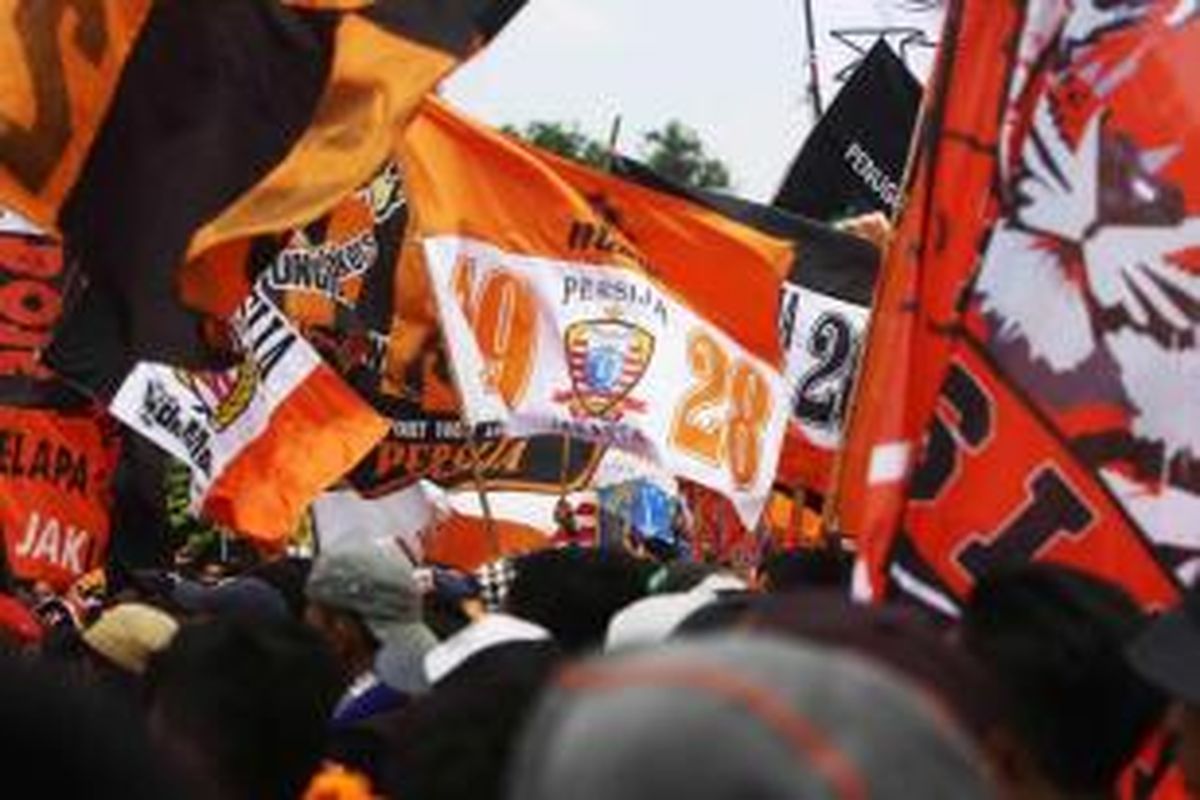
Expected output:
(845, 32)
(530, 463)
(822, 336)
(55, 481)
(853, 161)
(334, 279)
(137, 128)
(824, 310)
(608, 356)
(575, 302)
(262, 439)
(1028, 389)
(31, 285)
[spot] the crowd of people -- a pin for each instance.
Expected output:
(588, 673)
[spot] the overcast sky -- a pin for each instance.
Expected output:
(734, 71)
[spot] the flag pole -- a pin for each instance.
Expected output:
(614, 134)
(814, 74)
(489, 521)
(485, 505)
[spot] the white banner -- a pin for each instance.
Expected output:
(604, 353)
(845, 31)
(821, 338)
(12, 222)
(206, 419)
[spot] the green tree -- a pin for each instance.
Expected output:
(677, 153)
(563, 139)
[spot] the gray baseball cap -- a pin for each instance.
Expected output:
(741, 716)
(373, 579)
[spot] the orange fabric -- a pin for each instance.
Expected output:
(904, 360)
(264, 492)
(468, 180)
(463, 542)
(55, 478)
(376, 81)
(31, 282)
(802, 463)
(330, 5)
(62, 63)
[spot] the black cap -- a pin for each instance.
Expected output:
(1167, 654)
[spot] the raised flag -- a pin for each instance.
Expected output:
(1028, 388)
(824, 309)
(852, 162)
(149, 131)
(32, 282)
(575, 302)
(335, 278)
(56, 472)
(844, 33)
(262, 439)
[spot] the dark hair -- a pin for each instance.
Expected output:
(288, 577)
(900, 637)
(574, 592)
(77, 741)
(827, 567)
(1053, 638)
(456, 742)
(251, 698)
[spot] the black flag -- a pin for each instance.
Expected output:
(853, 161)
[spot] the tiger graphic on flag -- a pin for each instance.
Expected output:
(1089, 287)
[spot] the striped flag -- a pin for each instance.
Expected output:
(150, 131)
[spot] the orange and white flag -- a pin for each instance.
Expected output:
(262, 439)
(575, 302)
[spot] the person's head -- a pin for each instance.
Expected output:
(1168, 655)
(121, 642)
(243, 596)
(71, 741)
(574, 592)
(828, 567)
(452, 600)
(242, 706)
(1076, 713)
(457, 741)
(897, 636)
(365, 601)
(288, 577)
(734, 717)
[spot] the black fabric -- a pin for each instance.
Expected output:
(875, 112)
(827, 261)
(455, 26)
(1168, 653)
(214, 95)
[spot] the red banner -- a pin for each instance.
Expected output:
(55, 480)
(1029, 386)
(31, 273)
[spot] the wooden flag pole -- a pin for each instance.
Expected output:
(489, 521)
(614, 134)
(485, 505)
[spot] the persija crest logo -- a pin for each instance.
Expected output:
(606, 359)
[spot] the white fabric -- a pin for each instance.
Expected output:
(485, 633)
(623, 314)
(652, 619)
